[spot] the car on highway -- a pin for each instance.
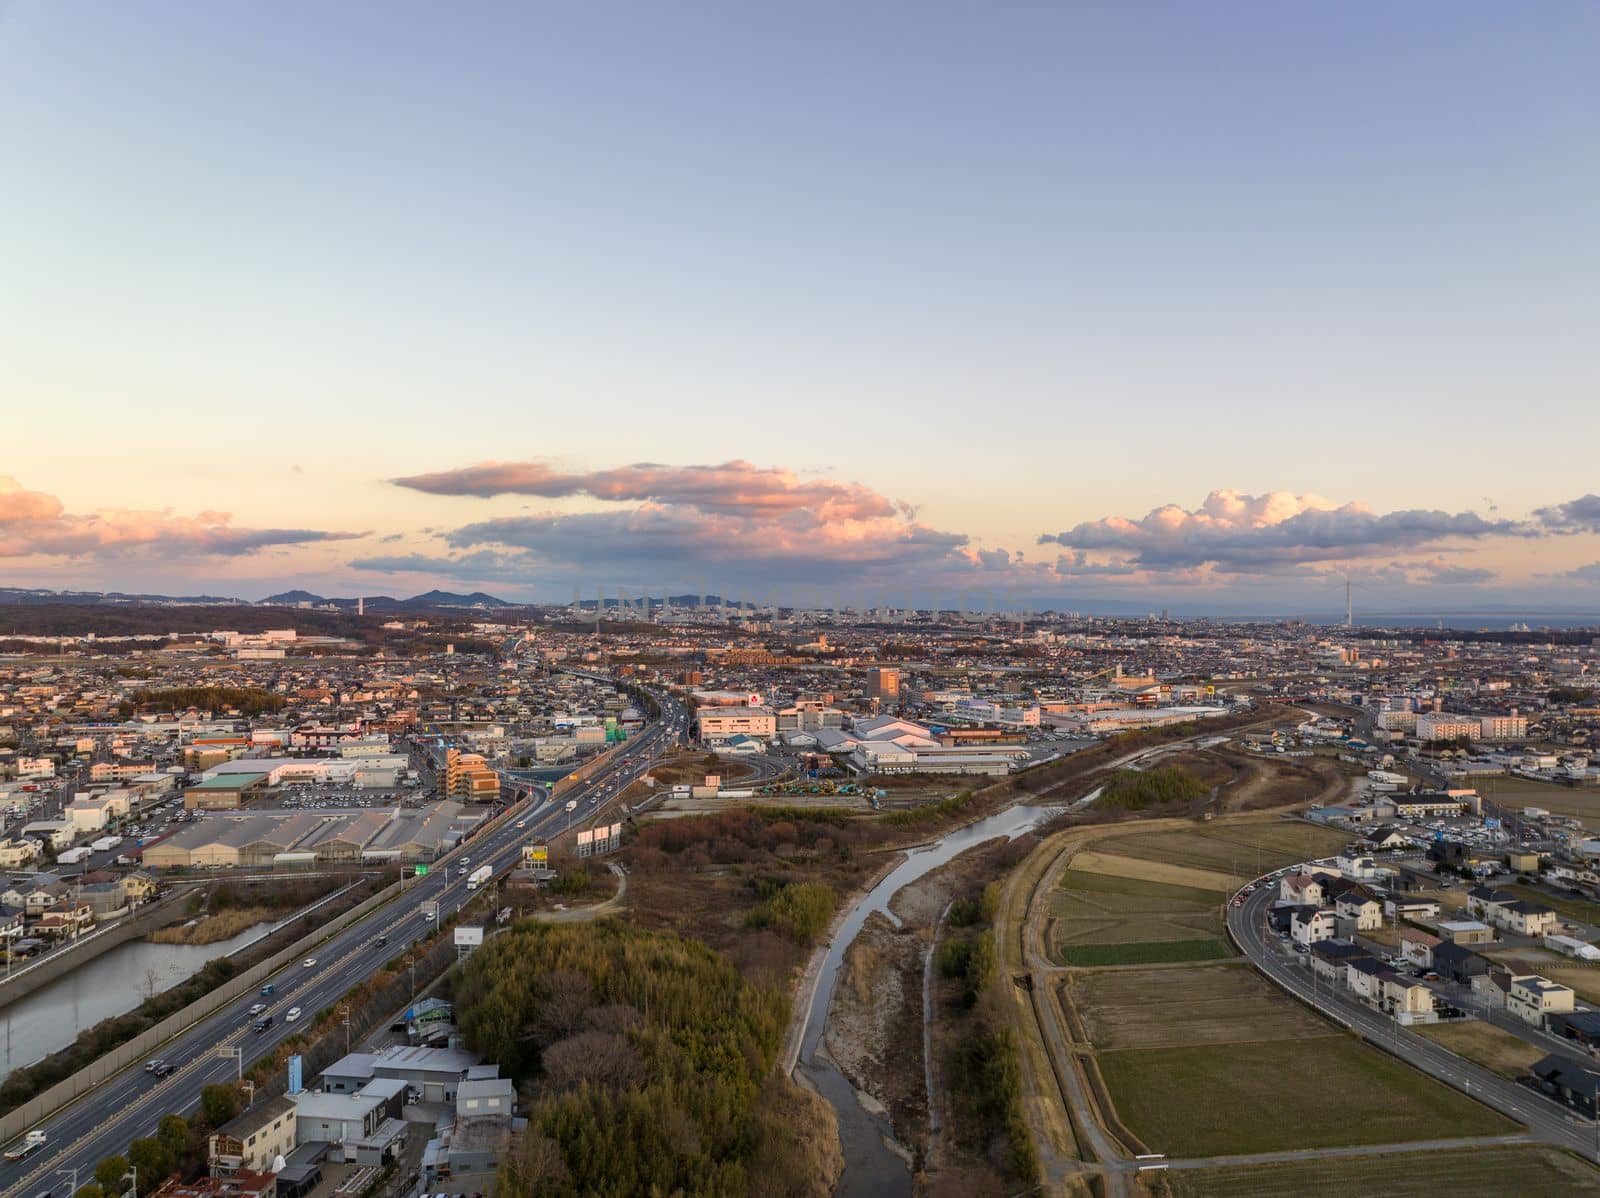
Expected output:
(268, 988)
(309, 963)
(262, 1024)
(257, 1008)
(165, 1069)
(292, 1015)
(381, 941)
(152, 1065)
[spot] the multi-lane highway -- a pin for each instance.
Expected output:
(130, 1104)
(1545, 1119)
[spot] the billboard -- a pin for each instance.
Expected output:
(468, 937)
(535, 855)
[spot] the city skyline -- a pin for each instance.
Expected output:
(1076, 305)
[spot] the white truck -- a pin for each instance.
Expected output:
(73, 856)
(105, 843)
(479, 876)
(30, 1144)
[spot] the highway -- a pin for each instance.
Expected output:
(128, 1105)
(1545, 1119)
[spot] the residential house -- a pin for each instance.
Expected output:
(254, 1139)
(1527, 918)
(1581, 1027)
(1301, 889)
(1458, 963)
(1361, 907)
(1417, 947)
(1329, 959)
(1571, 1082)
(1313, 925)
(1484, 902)
(1531, 998)
(1398, 907)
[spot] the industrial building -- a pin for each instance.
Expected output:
(267, 838)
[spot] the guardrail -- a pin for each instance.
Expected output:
(64, 1092)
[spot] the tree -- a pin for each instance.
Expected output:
(92, 1190)
(173, 1131)
(111, 1171)
(153, 1160)
(219, 1103)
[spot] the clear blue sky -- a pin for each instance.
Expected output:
(1023, 267)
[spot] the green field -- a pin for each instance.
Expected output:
(1579, 802)
(1492, 1172)
(1275, 1095)
(1242, 849)
(1150, 952)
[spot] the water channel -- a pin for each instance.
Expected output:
(871, 1167)
(51, 1017)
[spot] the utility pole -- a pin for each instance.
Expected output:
(344, 1013)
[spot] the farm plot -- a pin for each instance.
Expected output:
(1152, 1008)
(1102, 919)
(1237, 850)
(1495, 1171)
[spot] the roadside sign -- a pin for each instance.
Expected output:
(422, 871)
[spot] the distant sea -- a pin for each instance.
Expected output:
(1466, 621)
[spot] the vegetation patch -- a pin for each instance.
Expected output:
(1490, 1046)
(1221, 1004)
(248, 700)
(1138, 790)
(644, 1056)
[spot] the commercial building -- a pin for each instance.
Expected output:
(468, 777)
(883, 684)
(716, 724)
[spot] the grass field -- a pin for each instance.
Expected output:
(1149, 952)
(1490, 1046)
(1154, 1008)
(1492, 1172)
(1138, 890)
(1268, 1096)
(1242, 850)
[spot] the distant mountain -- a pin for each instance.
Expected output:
(388, 603)
(27, 595)
(450, 599)
(291, 598)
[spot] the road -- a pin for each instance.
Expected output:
(1546, 1120)
(131, 1103)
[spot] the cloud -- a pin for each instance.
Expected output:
(1589, 573)
(1574, 516)
(1446, 574)
(33, 523)
(1233, 532)
(731, 488)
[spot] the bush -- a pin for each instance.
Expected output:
(1135, 790)
(802, 910)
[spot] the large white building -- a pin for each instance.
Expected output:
(1434, 726)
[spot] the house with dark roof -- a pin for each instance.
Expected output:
(1570, 1082)
(1483, 902)
(1458, 963)
(1581, 1027)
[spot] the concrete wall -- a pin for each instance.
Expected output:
(146, 1043)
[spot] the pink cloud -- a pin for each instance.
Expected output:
(33, 523)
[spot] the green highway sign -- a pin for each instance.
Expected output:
(422, 871)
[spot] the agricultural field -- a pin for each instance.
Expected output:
(1104, 919)
(1565, 905)
(1491, 1172)
(1235, 850)
(1222, 1004)
(1492, 1047)
(1218, 1099)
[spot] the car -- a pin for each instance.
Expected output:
(166, 1069)
(257, 1008)
(522, 823)
(152, 1065)
(381, 941)
(262, 1024)
(291, 1015)
(309, 963)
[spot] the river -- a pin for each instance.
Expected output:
(871, 1168)
(51, 1017)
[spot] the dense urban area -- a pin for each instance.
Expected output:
(458, 898)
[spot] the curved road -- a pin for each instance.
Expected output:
(1547, 1120)
(129, 1104)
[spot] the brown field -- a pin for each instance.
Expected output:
(1493, 1172)
(1579, 802)
(1235, 849)
(1490, 1046)
(1211, 1004)
(1092, 862)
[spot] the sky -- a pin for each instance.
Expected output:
(1202, 307)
